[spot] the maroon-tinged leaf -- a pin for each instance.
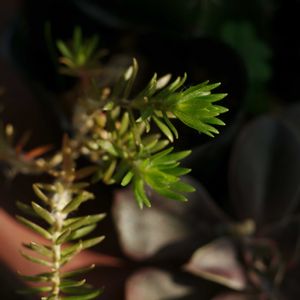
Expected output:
(235, 296)
(154, 231)
(265, 171)
(153, 284)
(218, 262)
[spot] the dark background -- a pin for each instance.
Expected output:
(252, 47)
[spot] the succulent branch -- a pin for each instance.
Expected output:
(57, 202)
(121, 133)
(116, 131)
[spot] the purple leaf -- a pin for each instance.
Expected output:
(265, 171)
(218, 262)
(153, 231)
(153, 284)
(235, 296)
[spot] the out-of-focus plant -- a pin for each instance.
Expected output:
(253, 251)
(18, 160)
(119, 131)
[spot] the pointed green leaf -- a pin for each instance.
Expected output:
(42, 277)
(43, 213)
(159, 146)
(63, 237)
(77, 272)
(76, 202)
(43, 232)
(164, 128)
(37, 260)
(41, 249)
(37, 190)
(183, 187)
(172, 195)
(130, 76)
(178, 171)
(127, 178)
(72, 283)
(109, 172)
(109, 147)
(25, 208)
(171, 126)
(77, 39)
(87, 220)
(65, 51)
(140, 194)
(65, 259)
(77, 234)
(124, 123)
(84, 244)
(35, 290)
(84, 296)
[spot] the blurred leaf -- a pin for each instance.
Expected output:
(255, 53)
(265, 171)
(168, 229)
(38, 229)
(218, 262)
(77, 201)
(235, 296)
(43, 213)
(153, 284)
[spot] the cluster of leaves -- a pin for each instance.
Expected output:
(58, 201)
(114, 129)
(120, 133)
(80, 55)
(18, 160)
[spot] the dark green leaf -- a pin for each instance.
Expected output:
(37, 260)
(84, 296)
(25, 208)
(35, 290)
(72, 283)
(77, 272)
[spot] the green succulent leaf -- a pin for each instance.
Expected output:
(77, 272)
(41, 249)
(83, 244)
(77, 201)
(42, 277)
(37, 260)
(81, 232)
(43, 213)
(37, 188)
(35, 290)
(127, 178)
(38, 229)
(87, 295)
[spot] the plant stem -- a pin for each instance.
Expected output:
(59, 200)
